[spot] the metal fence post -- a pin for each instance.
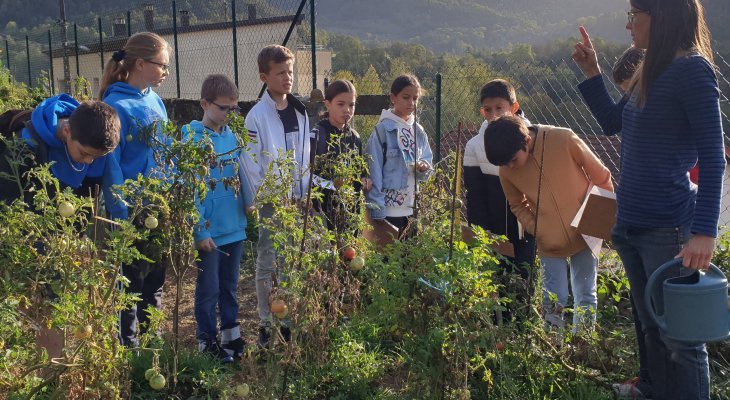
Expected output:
(235, 42)
(76, 50)
(438, 118)
(7, 54)
(177, 55)
(27, 52)
(101, 47)
(314, 44)
(129, 23)
(52, 87)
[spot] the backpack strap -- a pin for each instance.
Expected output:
(13, 121)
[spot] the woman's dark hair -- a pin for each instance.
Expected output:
(337, 87)
(676, 25)
(403, 82)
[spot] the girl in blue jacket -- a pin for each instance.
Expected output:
(129, 76)
(395, 163)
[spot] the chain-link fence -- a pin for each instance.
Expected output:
(548, 94)
(206, 36)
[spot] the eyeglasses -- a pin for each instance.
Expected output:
(227, 109)
(165, 67)
(631, 15)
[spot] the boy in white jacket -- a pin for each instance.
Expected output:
(278, 122)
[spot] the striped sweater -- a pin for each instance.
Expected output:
(678, 126)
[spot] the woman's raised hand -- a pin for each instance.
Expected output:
(585, 55)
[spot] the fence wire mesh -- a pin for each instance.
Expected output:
(202, 36)
(547, 93)
(200, 33)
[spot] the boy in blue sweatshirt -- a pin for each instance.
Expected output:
(70, 136)
(222, 228)
(76, 139)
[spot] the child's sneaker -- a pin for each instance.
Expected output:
(554, 316)
(215, 350)
(235, 348)
(232, 342)
(264, 337)
(629, 389)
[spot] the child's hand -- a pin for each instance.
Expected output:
(422, 166)
(251, 210)
(585, 56)
(367, 183)
(206, 245)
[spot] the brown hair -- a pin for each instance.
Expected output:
(627, 63)
(500, 89)
(675, 25)
(273, 53)
(218, 85)
(95, 124)
(403, 82)
(504, 137)
(144, 45)
(338, 87)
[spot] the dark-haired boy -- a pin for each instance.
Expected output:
(485, 201)
(69, 134)
(548, 170)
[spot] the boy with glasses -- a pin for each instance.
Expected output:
(221, 229)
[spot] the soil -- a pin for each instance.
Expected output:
(247, 314)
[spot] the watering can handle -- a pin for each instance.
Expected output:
(654, 282)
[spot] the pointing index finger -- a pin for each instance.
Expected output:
(586, 38)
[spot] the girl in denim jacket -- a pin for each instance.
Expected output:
(395, 163)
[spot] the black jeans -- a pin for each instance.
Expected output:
(146, 280)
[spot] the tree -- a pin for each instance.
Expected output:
(370, 82)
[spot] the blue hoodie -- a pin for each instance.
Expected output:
(45, 120)
(222, 212)
(140, 114)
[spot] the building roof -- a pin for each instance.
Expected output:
(111, 44)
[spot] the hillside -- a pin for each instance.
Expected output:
(442, 25)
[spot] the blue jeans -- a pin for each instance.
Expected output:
(678, 370)
(217, 285)
(583, 274)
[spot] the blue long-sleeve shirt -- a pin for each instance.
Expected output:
(679, 125)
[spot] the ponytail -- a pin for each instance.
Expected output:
(144, 45)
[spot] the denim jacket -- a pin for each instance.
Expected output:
(387, 165)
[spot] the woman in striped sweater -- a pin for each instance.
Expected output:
(669, 120)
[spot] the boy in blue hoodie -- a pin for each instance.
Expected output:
(76, 139)
(221, 230)
(70, 136)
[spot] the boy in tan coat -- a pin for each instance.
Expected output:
(558, 163)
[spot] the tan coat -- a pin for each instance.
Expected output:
(569, 168)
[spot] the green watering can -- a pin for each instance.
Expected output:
(694, 308)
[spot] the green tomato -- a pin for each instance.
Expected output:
(157, 382)
(357, 263)
(243, 390)
(150, 373)
(151, 222)
(66, 209)
(129, 137)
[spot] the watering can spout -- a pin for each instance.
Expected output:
(689, 308)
